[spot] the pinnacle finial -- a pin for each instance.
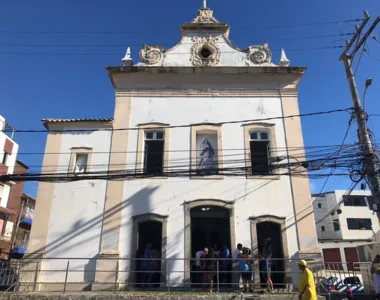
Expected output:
(204, 3)
(284, 61)
(127, 59)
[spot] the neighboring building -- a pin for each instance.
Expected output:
(19, 222)
(8, 154)
(203, 81)
(344, 222)
(23, 226)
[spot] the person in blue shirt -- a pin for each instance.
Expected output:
(147, 266)
(225, 265)
(245, 269)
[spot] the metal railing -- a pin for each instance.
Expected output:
(170, 274)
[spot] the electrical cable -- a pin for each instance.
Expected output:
(136, 173)
(274, 149)
(371, 55)
(347, 193)
(184, 125)
(172, 30)
(170, 45)
(340, 149)
(118, 54)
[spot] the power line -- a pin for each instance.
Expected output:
(347, 193)
(173, 30)
(340, 149)
(274, 149)
(177, 53)
(174, 162)
(185, 125)
(188, 170)
(139, 45)
(371, 55)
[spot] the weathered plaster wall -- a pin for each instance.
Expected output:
(76, 211)
(253, 197)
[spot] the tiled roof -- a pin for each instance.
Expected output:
(47, 121)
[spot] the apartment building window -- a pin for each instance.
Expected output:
(359, 224)
(154, 152)
(323, 229)
(5, 158)
(354, 201)
(25, 239)
(336, 225)
(206, 151)
(80, 160)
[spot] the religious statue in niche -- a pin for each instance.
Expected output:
(208, 160)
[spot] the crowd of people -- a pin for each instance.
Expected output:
(232, 267)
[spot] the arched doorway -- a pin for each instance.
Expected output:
(207, 222)
(210, 225)
(262, 228)
(272, 230)
(150, 233)
(149, 229)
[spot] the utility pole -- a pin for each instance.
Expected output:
(370, 157)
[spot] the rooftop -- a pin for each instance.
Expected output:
(205, 43)
(46, 122)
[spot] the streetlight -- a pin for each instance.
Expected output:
(368, 83)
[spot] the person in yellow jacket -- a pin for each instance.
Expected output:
(306, 286)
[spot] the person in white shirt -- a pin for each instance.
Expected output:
(235, 267)
(198, 268)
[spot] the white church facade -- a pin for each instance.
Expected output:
(200, 127)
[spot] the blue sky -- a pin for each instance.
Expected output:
(35, 86)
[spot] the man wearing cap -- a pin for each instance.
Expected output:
(306, 286)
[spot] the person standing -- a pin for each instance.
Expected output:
(147, 266)
(306, 286)
(236, 267)
(203, 266)
(198, 268)
(245, 270)
(266, 263)
(225, 265)
(375, 271)
(211, 267)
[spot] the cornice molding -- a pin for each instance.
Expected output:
(290, 92)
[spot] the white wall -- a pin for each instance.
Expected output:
(166, 196)
(77, 208)
(10, 163)
(330, 201)
(341, 245)
(5, 195)
(323, 217)
(357, 212)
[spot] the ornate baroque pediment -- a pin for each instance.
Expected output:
(205, 51)
(150, 54)
(260, 54)
(205, 15)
